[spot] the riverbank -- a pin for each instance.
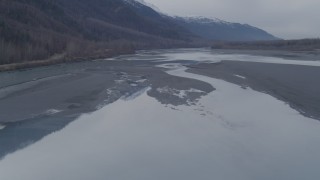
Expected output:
(63, 58)
(311, 55)
(285, 45)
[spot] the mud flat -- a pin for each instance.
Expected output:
(297, 85)
(36, 102)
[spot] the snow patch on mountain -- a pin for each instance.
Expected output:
(139, 3)
(204, 20)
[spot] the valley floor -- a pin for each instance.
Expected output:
(162, 114)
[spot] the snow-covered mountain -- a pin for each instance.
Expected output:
(217, 29)
(207, 28)
(202, 20)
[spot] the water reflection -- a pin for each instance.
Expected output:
(19, 135)
(229, 134)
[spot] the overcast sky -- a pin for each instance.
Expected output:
(289, 19)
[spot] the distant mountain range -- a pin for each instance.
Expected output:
(216, 29)
(46, 29)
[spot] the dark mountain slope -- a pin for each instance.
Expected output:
(57, 30)
(38, 29)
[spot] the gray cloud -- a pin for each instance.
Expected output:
(286, 19)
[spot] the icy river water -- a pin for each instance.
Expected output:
(232, 133)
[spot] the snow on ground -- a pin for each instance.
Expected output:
(52, 111)
(239, 76)
(2, 126)
(179, 93)
(232, 133)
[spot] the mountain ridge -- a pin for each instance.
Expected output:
(38, 29)
(79, 29)
(220, 30)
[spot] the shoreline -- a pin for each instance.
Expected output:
(58, 59)
(312, 55)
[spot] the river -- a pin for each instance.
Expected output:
(229, 132)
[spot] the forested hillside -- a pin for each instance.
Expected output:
(42, 29)
(294, 45)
